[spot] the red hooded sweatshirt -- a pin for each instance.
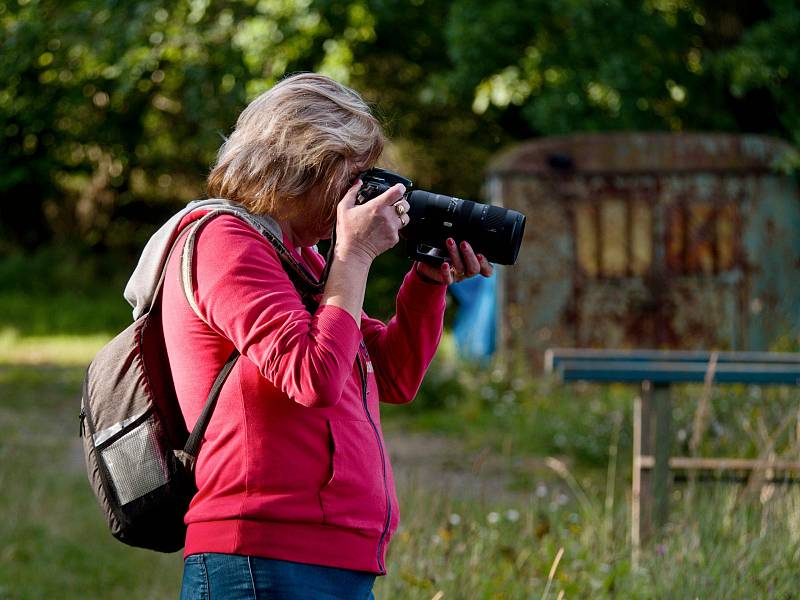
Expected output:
(293, 465)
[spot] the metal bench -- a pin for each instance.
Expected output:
(656, 371)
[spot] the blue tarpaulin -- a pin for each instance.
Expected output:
(475, 326)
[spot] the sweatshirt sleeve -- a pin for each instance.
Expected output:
(402, 349)
(244, 294)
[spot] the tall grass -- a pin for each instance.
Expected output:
(719, 545)
(563, 534)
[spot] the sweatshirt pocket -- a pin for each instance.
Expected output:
(355, 495)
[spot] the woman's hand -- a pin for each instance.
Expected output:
(370, 229)
(362, 233)
(464, 263)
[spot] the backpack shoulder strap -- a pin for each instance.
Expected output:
(305, 282)
(188, 455)
(164, 266)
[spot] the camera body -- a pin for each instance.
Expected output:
(376, 181)
(493, 231)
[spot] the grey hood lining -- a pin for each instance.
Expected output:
(144, 284)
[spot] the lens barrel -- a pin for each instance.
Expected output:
(493, 231)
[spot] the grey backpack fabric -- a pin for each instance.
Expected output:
(139, 454)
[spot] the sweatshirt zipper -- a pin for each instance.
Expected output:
(362, 372)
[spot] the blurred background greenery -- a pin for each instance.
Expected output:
(111, 113)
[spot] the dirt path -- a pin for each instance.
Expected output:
(441, 464)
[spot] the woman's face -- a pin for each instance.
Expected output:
(308, 228)
(315, 221)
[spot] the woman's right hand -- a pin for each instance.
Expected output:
(367, 230)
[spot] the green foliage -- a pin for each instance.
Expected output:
(102, 130)
(766, 63)
(622, 64)
(111, 113)
(583, 66)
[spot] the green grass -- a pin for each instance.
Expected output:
(525, 415)
(63, 290)
(78, 312)
(53, 543)
(719, 545)
(721, 541)
(62, 350)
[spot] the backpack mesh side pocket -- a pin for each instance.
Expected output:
(134, 457)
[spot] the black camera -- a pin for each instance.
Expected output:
(493, 231)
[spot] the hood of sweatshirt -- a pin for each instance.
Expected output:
(144, 283)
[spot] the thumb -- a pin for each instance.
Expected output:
(392, 195)
(349, 200)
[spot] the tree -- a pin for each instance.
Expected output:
(111, 112)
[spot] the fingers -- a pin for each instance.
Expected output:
(465, 262)
(446, 274)
(401, 209)
(471, 264)
(486, 267)
(455, 256)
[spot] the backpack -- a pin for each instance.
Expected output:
(139, 454)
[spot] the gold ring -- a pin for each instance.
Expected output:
(400, 210)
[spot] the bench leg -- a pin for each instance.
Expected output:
(652, 435)
(641, 492)
(663, 447)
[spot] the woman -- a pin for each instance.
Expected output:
(295, 491)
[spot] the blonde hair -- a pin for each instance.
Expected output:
(308, 135)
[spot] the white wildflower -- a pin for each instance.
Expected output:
(512, 515)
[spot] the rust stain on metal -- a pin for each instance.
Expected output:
(651, 240)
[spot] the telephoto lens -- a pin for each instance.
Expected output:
(493, 231)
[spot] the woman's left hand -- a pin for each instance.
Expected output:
(464, 263)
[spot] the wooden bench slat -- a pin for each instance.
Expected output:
(555, 356)
(676, 372)
(688, 463)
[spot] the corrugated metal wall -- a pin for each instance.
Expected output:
(650, 240)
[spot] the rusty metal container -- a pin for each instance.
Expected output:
(650, 240)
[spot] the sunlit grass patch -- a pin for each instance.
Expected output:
(63, 312)
(63, 350)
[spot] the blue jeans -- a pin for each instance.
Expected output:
(233, 577)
